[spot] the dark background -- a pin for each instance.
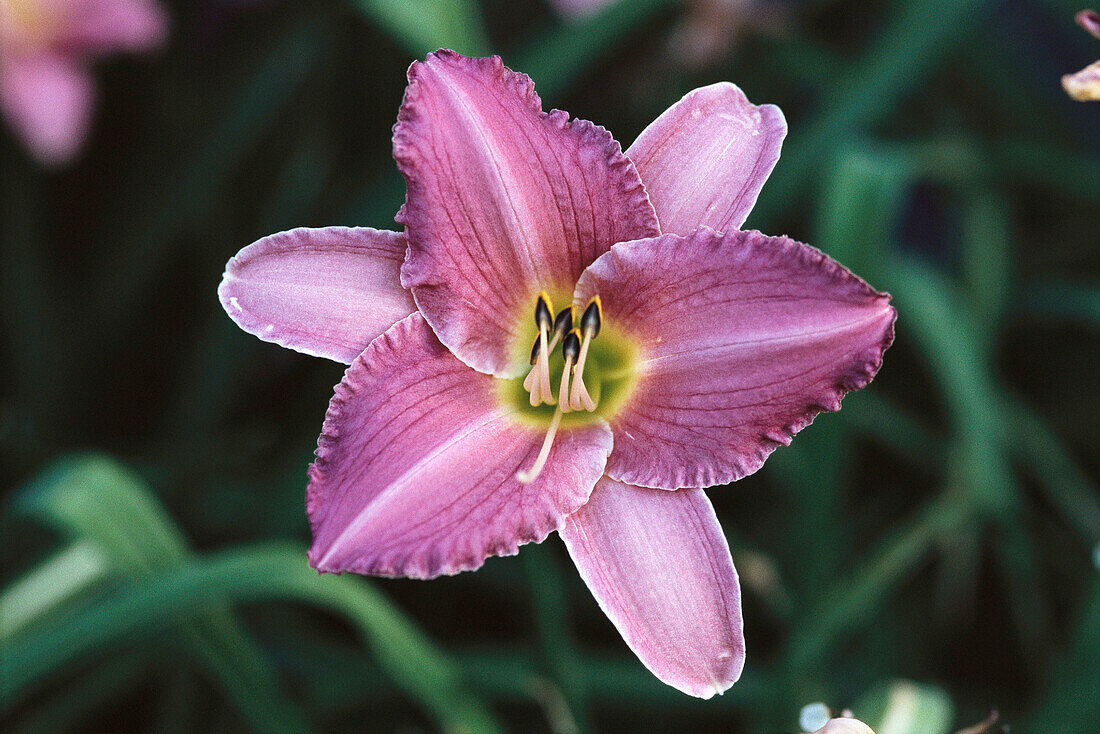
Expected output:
(933, 544)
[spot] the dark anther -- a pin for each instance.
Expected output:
(571, 346)
(535, 350)
(544, 316)
(563, 324)
(590, 321)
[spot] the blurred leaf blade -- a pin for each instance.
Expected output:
(275, 570)
(94, 499)
(423, 26)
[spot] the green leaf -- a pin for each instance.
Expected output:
(1071, 491)
(855, 601)
(423, 26)
(986, 255)
(1073, 697)
(149, 606)
(93, 499)
(53, 582)
(554, 60)
(917, 39)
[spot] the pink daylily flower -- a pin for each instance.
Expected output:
(474, 418)
(46, 89)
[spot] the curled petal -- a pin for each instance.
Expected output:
(503, 201)
(705, 159)
(1089, 20)
(325, 292)
(659, 566)
(48, 99)
(742, 340)
(416, 465)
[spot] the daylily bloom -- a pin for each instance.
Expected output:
(46, 89)
(1084, 85)
(476, 417)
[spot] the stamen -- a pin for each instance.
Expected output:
(532, 380)
(591, 321)
(526, 477)
(544, 369)
(579, 397)
(563, 324)
(592, 318)
(537, 381)
(544, 312)
(570, 349)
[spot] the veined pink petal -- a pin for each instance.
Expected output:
(705, 159)
(325, 292)
(503, 200)
(659, 566)
(416, 465)
(743, 339)
(99, 26)
(48, 99)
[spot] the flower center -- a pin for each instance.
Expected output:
(593, 376)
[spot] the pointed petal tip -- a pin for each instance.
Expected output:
(706, 158)
(674, 596)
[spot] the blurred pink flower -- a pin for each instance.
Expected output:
(580, 8)
(699, 349)
(1084, 86)
(46, 89)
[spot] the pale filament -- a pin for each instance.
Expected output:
(528, 476)
(537, 381)
(579, 398)
(563, 390)
(544, 369)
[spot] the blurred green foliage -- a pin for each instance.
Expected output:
(920, 557)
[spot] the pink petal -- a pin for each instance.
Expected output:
(503, 200)
(416, 464)
(112, 25)
(659, 566)
(48, 99)
(705, 159)
(743, 339)
(325, 292)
